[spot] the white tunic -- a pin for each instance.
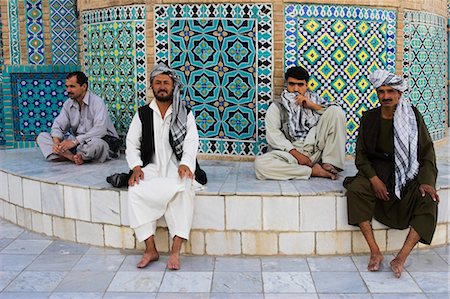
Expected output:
(148, 200)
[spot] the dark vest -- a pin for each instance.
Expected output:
(148, 143)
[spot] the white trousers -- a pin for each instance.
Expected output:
(325, 142)
(155, 197)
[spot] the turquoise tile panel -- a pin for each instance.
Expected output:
(115, 61)
(425, 67)
(63, 32)
(223, 53)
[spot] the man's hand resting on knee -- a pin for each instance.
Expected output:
(302, 159)
(136, 176)
(185, 172)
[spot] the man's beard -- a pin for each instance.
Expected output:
(163, 99)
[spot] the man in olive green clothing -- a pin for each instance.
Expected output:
(397, 172)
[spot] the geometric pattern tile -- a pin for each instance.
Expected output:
(32, 97)
(63, 32)
(425, 67)
(39, 100)
(35, 31)
(114, 59)
(2, 124)
(223, 53)
(340, 46)
(14, 35)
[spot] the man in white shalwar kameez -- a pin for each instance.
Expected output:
(162, 145)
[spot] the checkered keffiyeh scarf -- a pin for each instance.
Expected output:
(301, 119)
(405, 131)
(179, 111)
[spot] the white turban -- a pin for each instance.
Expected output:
(384, 78)
(405, 131)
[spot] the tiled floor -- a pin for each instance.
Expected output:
(34, 266)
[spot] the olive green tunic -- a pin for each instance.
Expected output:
(413, 209)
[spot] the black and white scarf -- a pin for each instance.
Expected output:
(405, 131)
(301, 119)
(179, 112)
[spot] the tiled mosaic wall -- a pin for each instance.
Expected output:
(223, 53)
(340, 46)
(14, 31)
(114, 59)
(32, 95)
(2, 125)
(32, 98)
(35, 31)
(63, 32)
(425, 67)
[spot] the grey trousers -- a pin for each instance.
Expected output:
(93, 149)
(325, 142)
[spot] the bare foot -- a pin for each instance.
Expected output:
(174, 261)
(397, 266)
(374, 262)
(147, 258)
(318, 171)
(330, 168)
(77, 159)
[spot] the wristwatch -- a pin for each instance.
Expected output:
(75, 141)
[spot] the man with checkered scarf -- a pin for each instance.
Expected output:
(162, 144)
(396, 178)
(306, 134)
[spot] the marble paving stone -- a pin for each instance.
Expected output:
(99, 263)
(432, 282)
(54, 262)
(130, 262)
(136, 282)
(5, 242)
(236, 296)
(15, 262)
(86, 281)
(291, 296)
(63, 247)
(338, 282)
(385, 282)
(288, 282)
(24, 295)
(9, 230)
(28, 235)
(71, 295)
(240, 282)
(183, 295)
(123, 295)
(197, 263)
(237, 264)
(401, 296)
(284, 264)
(437, 296)
(345, 296)
(36, 281)
(333, 263)
(102, 250)
(6, 277)
(189, 282)
(425, 263)
(361, 262)
(27, 246)
(52, 199)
